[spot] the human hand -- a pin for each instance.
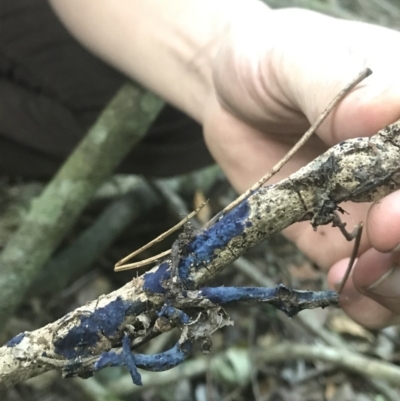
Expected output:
(275, 72)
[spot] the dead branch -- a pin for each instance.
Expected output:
(358, 170)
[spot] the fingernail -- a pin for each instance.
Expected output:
(397, 248)
(388, 285)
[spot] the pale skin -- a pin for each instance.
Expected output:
(255, 78)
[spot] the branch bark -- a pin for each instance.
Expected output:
(359, 170)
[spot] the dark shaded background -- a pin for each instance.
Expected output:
(52, 90)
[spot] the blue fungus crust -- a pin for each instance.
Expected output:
(165, 360)
(201, 250)
(152, 281)
(289, 301)
(15, 340)
(225, 295)
(103, 321)
(174, 314)
(125, 358)
(108, 358)
(156, 363)
(129, 361)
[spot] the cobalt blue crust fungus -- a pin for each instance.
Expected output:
(285, 299)
(152, 281)
(129, 360)
(201, 250)
(156, 363)
(103, 322)
(225, 295)
(15, 340)
(174, 314)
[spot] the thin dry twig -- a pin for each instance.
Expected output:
(119, 266)
(144, 262)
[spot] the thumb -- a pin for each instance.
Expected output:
(371, 296)
(377, 276)
(327, 53)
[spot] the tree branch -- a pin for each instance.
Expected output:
(360, 170)
(373, 369)
(123, 123)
